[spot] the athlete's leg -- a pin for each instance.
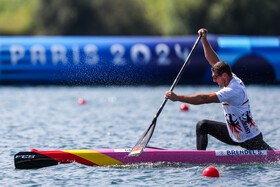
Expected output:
(214, 128)
(256, 143)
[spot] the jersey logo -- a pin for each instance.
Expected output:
(234, 126)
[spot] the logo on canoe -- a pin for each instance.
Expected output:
(24, 156)
(122, 150)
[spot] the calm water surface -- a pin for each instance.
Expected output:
(49, 118)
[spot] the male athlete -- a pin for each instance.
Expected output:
(240, 128)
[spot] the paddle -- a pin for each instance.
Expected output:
(145, 138)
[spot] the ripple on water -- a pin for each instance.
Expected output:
(49, 118)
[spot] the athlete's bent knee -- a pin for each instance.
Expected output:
(201, 124)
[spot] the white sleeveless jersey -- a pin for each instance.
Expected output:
(235, 102)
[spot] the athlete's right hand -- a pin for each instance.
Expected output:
(203, 32)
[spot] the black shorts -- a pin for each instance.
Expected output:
(220, 132)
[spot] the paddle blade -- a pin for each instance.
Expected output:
(143, 141)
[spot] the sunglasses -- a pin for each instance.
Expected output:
(216, 76)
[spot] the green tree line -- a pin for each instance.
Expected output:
(138, 17)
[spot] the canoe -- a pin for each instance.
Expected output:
(104, 157)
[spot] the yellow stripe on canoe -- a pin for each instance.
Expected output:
(94, 156)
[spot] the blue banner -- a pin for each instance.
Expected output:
(132, 60)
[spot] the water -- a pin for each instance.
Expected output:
(49, 118)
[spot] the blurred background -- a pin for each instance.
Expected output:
(138, 17)
(135, 41)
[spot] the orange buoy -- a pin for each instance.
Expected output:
(211, 172)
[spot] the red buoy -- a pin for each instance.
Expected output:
(81, 101)
(211, 172)
(184, 107)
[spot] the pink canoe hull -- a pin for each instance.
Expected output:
(102, 157)
(196, 157)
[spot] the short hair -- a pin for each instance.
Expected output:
(222, 67)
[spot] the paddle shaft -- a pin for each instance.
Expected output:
(145, 138)
(178, 77)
